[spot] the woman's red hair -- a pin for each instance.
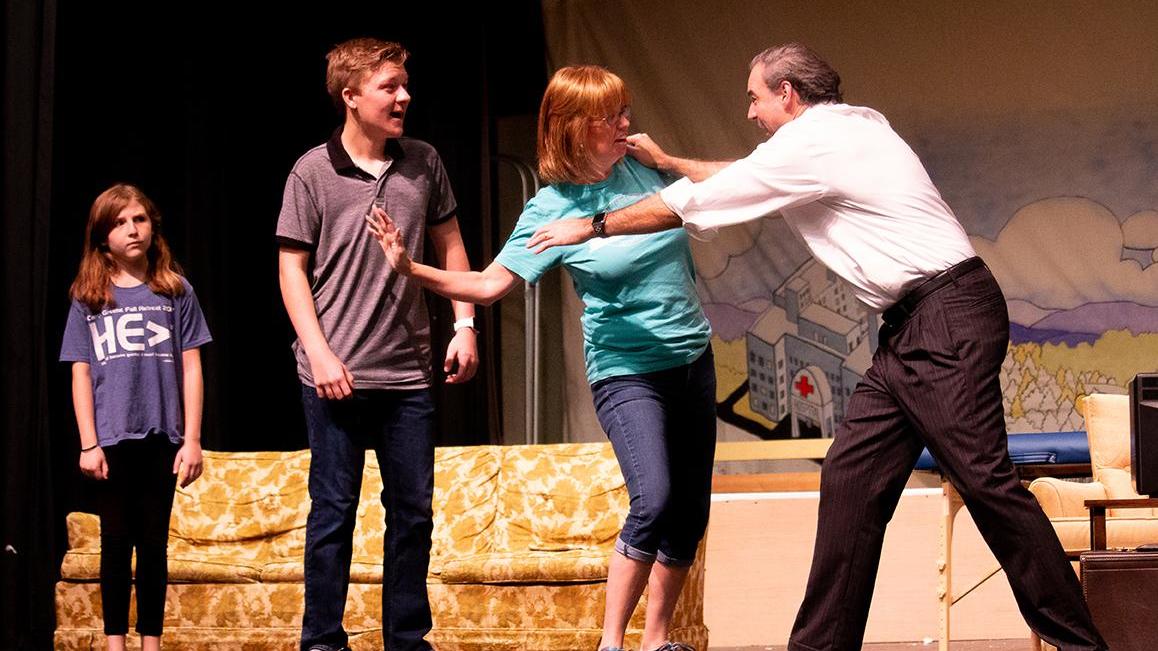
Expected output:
(574, 97)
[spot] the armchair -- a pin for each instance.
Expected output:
(1108, 430)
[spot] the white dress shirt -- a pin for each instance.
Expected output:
(853, 190)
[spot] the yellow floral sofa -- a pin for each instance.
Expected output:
(521, 541)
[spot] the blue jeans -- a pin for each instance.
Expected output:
(662, 426)
(397, 425)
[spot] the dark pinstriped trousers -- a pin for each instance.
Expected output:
(934, 381)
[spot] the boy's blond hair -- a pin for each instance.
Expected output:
(348, 64)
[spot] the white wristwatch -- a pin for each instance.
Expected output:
(465, 322)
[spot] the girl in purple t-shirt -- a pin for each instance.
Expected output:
(133, 337)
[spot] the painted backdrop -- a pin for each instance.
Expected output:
(1036, 121)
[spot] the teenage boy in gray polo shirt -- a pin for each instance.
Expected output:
(363, 347)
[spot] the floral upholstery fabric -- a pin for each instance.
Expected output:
(521, 539)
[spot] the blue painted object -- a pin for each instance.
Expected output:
(1036, 448)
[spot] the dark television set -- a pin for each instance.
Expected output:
(1144, 432)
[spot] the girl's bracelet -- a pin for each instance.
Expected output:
(90, 448)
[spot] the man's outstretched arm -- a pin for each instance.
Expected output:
(648, 216)
(641, 147)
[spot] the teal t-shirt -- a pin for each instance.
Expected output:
(641, 312)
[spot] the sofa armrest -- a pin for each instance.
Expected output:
(84, 530)
(1061, 499)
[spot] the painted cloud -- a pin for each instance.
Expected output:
(1063, 252)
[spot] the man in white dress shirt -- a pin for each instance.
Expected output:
(865, 207)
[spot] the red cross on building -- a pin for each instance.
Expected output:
(804, 387)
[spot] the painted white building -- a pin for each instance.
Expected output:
(808, 351)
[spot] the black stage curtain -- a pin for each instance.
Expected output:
(28, 517)
(207, 110)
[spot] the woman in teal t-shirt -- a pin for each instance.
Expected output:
(646, 340)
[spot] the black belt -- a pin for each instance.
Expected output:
(904, 308)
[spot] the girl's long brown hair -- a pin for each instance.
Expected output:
(93, 285)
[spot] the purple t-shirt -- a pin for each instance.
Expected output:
(134, 351)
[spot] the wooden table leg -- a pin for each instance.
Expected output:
(1097, 527)
(951, 503)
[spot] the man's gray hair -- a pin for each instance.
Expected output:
(814, 80)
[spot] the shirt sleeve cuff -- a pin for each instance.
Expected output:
(677, 197)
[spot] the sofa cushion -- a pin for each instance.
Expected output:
(464, 505)
(244, 496)
(1107, 420)
(465, 499)
(528, 567)
(189, 562)
(292, 570)
(559, 497)
(214, 566)
(1121, 533)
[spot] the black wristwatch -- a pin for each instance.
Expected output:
(597, 224)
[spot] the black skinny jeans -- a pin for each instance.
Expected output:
(134, 504)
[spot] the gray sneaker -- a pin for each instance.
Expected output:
(676, 646)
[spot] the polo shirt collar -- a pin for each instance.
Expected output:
(341, 160)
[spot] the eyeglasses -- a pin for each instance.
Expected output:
(612, 120)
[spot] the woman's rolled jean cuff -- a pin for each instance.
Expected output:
(636, 554)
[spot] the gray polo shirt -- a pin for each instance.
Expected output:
(374, 319)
